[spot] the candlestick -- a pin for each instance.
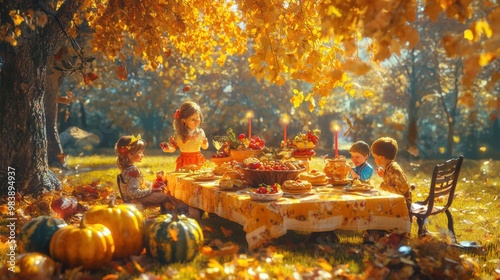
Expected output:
(249, 117)
(284, 133)
(249, 128)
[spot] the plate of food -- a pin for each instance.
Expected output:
(230, 184)
(358, 186)
(339, 182)
(296, 186)
(205, 177)
(266, 196)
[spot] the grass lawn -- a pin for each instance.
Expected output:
(475, 211)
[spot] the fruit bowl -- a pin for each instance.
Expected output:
(255, 177)
(308, 153)
(240, 155)
(220, 160)
(266, 196)
(304, 145)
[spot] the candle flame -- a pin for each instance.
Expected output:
(286, 118)
(250, 114)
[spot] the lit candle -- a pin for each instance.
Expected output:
(336, 140)
(284, 133)
(286, 120)
(249, 117)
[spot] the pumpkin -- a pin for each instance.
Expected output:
(35, 235)
(126, 224)
(90, 246)
(32, 265)
(170, 239)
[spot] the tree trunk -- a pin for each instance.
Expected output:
(412, 105)
(449, 139)
(23, 137)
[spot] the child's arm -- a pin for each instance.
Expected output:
(366, 173)
(170, 146)
(380, 171)
(353, 173)
(166, 147)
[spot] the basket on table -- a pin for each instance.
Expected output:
(240, 155)
(255, 176)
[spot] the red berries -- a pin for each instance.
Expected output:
(254, 165)
(268, 189)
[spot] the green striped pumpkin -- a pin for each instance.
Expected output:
(35, 235)
(170, 239)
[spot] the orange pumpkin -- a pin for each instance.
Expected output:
(33, 265)
(90, 246)
(126, 224)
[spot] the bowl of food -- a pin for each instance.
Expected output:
(272, 172)
(265, 196)
(240, 155)
(220, 160)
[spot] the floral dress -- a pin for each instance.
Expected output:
(133, 185)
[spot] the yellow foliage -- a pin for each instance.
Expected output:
(468, 35)
(485, 59)
(297, 99)
(367, 93)
(312, 41)
(482, 27)
(16, 18)
(324, 264)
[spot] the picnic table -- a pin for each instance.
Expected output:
(325, 208)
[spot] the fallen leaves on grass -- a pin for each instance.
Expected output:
(219, 248)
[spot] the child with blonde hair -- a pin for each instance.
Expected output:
(189, 137)
(133, 187)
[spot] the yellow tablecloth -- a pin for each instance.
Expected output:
(325, 208)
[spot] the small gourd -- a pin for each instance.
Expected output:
(126, 224)
(90, 246)
(173, 238)
(35, 234)
(32, 265)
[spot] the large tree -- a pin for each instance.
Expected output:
(23, 79)
(313, 41)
